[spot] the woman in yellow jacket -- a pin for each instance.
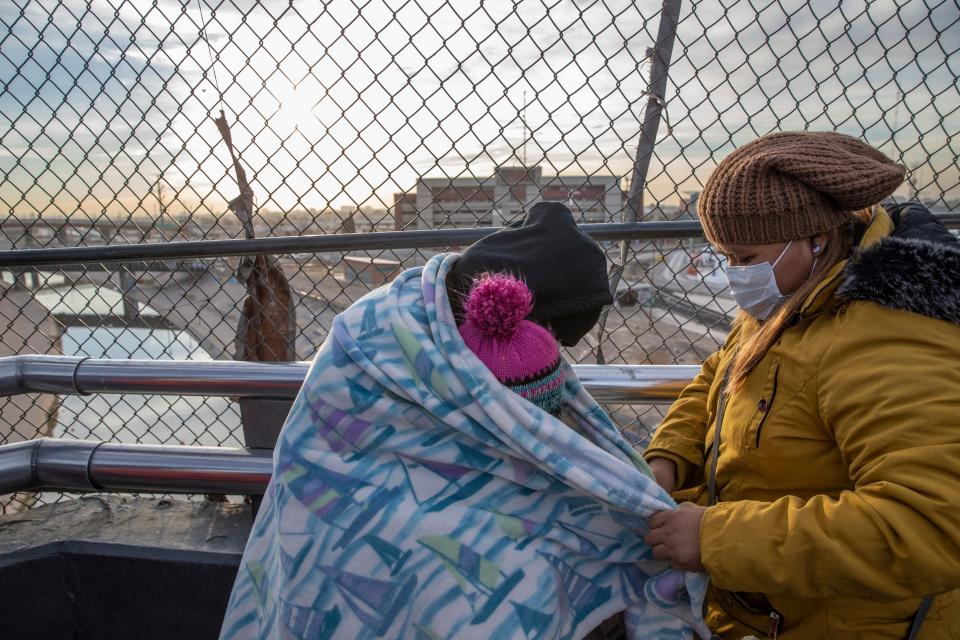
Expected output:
(818, 452)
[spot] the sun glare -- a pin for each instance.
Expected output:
(296, 109)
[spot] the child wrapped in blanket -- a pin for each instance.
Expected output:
(524, 356)
(423, 486)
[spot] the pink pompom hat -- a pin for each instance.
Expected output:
(523, 355)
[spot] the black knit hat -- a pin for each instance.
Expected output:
(565, 269)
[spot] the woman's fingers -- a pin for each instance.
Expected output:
(658, 534)
(661, 552)
(659, 519)
(674, 536)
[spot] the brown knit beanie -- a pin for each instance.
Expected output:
(792, 185)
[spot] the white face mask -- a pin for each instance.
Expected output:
(755, 289)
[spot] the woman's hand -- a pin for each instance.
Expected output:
(665, 472)
(675, 536)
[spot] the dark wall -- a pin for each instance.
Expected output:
(119, 568)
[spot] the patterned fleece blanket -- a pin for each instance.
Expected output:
(414, 496)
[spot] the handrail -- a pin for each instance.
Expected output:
(83, 465)
(345, 242)
(80, 376)
(340, 242)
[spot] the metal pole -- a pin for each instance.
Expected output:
(169, 469)
(127, 283)
(661, 53)
(342, 242)
(16, 466)
(82, 465)
(132, 267)
(71, 375)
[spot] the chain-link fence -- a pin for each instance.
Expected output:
(388, 115)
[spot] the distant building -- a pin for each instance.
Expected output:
(364, 219)
(348, 226)
(503, 197)
(688, 206)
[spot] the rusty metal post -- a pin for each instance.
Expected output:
(660, 55)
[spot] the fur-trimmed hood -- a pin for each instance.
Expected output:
(915, 269)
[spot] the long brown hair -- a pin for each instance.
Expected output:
(758, 337)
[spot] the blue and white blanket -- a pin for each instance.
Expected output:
(414, 496)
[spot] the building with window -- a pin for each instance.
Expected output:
(504, 197)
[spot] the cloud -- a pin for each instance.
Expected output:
(330, 101)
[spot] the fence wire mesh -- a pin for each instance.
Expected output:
(390, 115)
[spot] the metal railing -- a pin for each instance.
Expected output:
(291, 245)
(80, 465)
(622, 384)
(345, 242)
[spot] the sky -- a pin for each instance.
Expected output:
(345, 103)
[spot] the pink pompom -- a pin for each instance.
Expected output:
(497, 304)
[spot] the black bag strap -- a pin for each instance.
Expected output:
(715, 454)
(919, 617)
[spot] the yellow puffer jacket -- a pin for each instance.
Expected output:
(839, 468)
